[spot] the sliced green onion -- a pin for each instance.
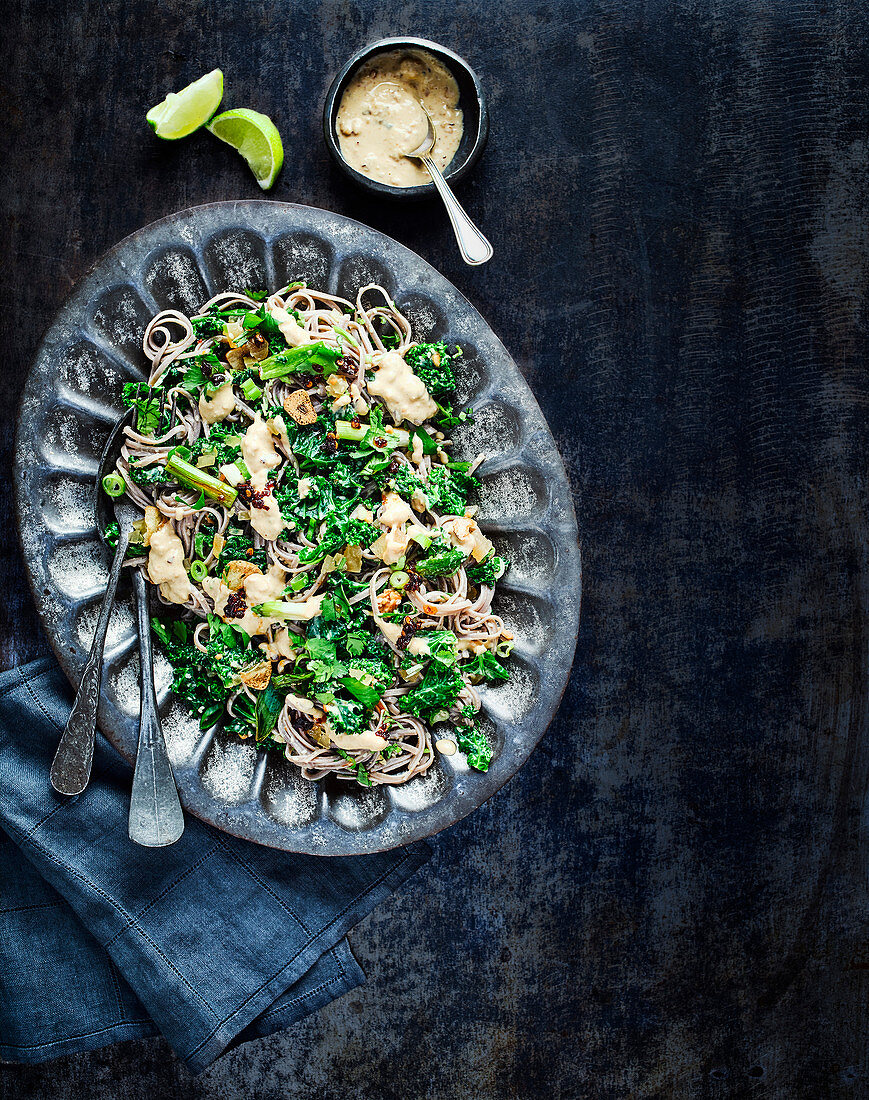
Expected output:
(207, 459)
(399, 580)
(300, 581)
(114, 485)
(398, 564)
(282, 609)
(251, 390)
(395, 437)
(504, 649)
(345, 430)
(196, 479)
(346, 335)
(198, 571)
(421, 539)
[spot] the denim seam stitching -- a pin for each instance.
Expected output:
(290, 962)
(27, 908)
(38, 701)
(283, 904)
(342, 976)
(133, 920)
(76, 874)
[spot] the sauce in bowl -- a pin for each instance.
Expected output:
(379, 120)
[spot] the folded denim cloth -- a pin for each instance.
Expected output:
(211, 941)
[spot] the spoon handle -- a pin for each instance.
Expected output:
(71, 767)
(156, 818)
(474, 247)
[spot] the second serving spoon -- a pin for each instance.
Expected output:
(156, 818)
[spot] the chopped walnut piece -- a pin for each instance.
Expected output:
(153, 522)
(298, 405)
(235, 357)
(257, 676)
(258, 346)
(388, 600)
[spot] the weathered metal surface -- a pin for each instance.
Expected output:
(71, 398)
(669, 900)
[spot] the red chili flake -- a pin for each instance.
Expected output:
(255, 498)
(330, 446)
(414, 581)
(379, 441)
(394, 463)
(410, 627)
(249, 552)
(347, 368)
(235, 605)
(356, 423)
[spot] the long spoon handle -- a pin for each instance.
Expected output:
(156, 817)
(474, 247)
(71, 767)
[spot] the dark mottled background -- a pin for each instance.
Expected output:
(670, 899)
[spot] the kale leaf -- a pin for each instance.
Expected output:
(473, 742)
(442, 564)
(448, 490)
(148, 475)
(239, 548)
(434, 365)
(486, 666)
(437, 690)
(488, 571)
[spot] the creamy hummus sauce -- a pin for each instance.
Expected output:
(215, 408)
(465, 535)
(367, 741)
(258, 452)
(379, 119)
(290, 328)
(166, 564)
(403, 392)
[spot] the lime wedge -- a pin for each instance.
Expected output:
(256, 137)
(182, 112)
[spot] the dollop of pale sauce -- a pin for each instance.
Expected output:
(217, 407)
(379, 120)
(166, 564)
(404, 393)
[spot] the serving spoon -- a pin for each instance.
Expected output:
(156, 818)
(474, 247)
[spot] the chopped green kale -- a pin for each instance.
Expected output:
(474, 743)
(488, 571)
(448, 490)
(437, 690)
(485, 666)
(435, 366)
(442, 564)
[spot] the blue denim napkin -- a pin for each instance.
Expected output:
(212, 941)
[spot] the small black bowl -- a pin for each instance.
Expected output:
(471, 101)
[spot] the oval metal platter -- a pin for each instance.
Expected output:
(71, 398)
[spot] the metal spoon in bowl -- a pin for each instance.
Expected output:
(474, 247)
